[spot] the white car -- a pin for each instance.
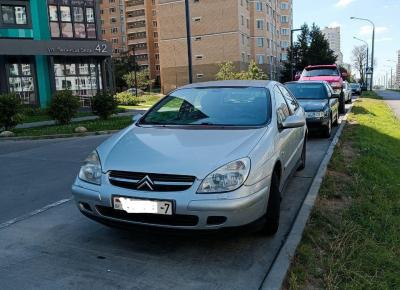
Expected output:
(348, 92)
(207, 156)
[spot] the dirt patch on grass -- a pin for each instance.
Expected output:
(335, 203)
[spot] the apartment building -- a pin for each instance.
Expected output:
(113, 28)
(398, 71)
(52, 45)
(226, 30)
(332, 34)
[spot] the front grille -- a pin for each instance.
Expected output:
(151, 181)
(154, 219)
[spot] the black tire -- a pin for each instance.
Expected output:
(303, 156)
(273, 208)
(336, 122)
(327, 131)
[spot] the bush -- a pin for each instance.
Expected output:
(104, 105)
(63, 107)
(127, 99)
(10, 111)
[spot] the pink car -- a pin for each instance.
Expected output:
(330, 74)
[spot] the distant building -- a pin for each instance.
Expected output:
(113, 28)
(224, 30)
(398, 71)
(332, 34)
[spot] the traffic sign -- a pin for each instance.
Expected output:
(370, 70)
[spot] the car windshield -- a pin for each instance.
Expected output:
(321, 72)
(218, 106)
(308, 91)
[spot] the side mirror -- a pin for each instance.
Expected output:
(293, 122)
(136, 118)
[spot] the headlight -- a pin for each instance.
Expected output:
(336, 85)
(227, 178)
(91, 170)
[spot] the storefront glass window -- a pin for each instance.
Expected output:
(83, 79)
(75, 19)
(21, 82)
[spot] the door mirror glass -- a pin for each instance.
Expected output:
(293, 121)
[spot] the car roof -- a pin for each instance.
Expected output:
(322, 66)
(231, 83)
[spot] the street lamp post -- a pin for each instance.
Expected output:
(189, 41)
(365, 70)
(373, 47)
(291, 53)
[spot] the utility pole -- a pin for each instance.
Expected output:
(373, 48)
(189, 41)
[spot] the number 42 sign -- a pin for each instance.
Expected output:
(101, 48)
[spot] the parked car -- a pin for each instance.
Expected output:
(320, 103)
(348, 94)
(330, 74)
(207, 156)
(355, 89)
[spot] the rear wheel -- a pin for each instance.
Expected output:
(273, 208)
(342, 106)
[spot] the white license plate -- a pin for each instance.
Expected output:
(131, 205)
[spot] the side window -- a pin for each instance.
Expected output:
(282, 109)
(293, 105)
(329, 90)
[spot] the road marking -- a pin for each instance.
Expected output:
(33, 213)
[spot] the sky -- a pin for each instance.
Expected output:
(384, 13)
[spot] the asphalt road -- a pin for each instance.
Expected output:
(392, 99)
(59, 248)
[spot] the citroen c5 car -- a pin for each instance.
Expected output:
(207, 156)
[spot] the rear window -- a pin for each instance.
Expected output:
(219, 106)
(318, 72)
(308, 90)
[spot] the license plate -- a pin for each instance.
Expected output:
(131, 205)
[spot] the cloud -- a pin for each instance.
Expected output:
(343, 3)
(383, 39)
(367, 29)
(334, 24)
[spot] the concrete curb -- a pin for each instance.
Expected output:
(58, 136)
(277, 273)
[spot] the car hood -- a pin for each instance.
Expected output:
(313, 105)
(176, 151)
(329, 79)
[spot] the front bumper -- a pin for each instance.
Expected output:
(191, 211)
(317, 123)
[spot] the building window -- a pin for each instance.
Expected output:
(259, 6)
(284, 19)
(260, 41)
(260, 59)
(21, 81)
(284, 5)
(72, 19)
(82, 78)
(260, 24)
(14, 14)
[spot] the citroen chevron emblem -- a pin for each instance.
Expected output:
(146, 181)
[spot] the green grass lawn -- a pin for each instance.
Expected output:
(352, 240)
(43, 116)
(148, 102)
(115, 123)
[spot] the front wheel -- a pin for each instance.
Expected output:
(273, 208)
(303, 157)
(327, 131)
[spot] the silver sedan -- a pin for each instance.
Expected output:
(207, 156)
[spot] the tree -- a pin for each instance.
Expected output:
(311, 48)
(227, 72)
(359, 58)
(143, 79)
(122, 66)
